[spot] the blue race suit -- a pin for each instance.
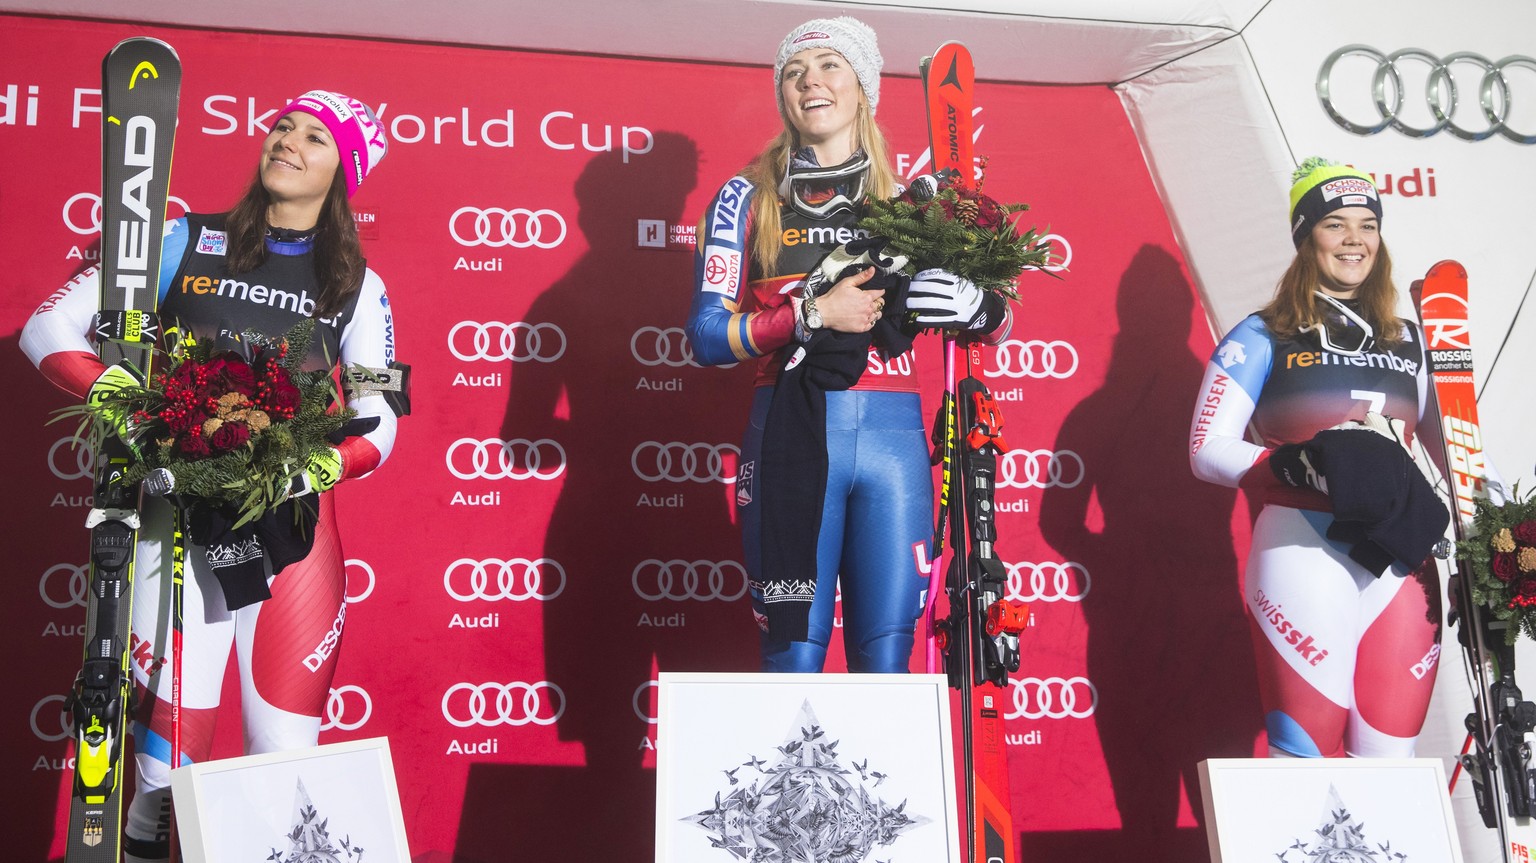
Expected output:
(876, 516)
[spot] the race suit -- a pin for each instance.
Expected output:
(1346, 660)
(286, 645)
(876, 516)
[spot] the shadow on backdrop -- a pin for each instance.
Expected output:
(1168, 646)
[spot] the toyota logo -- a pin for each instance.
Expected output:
(703, 580)
(1034, 359)
(494, 458)
(1446, 333)
(84, 459)
(76, 584)
(362, 567)
(85, 220)
(58, 715)
(518, 341)
(684, 462)
(1048, 582)
(1040, 468)
(518, 228)
(1052, 698)
(540, 703)
(642, 703)
(339, 709)
(654, 346)
(1457, 76)
(516, 579)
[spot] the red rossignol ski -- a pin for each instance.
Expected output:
(979, 635)
(1500, 725)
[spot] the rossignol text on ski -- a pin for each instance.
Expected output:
(1500, 738)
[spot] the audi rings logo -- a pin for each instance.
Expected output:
(42, 715)
(654, 346)
(684, 462)
(494, 458)
(644, 703)
(64, 585)
(356, 570)
(517, 579)
(1052, 698)
(70, 458)
(1461, 76)
(1040, 468)
(1061, 253)
(1034, 359)
(347, 709)
(492, 704)
(1446, 333)
(518, 227)
(702, 580)
(1048, 582)
(497, 342)
(82, 212)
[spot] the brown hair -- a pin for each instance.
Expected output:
(1294, 305)
(338, 255)
(767, 170)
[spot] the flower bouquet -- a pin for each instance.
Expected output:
(231, 430)
(947, 224)
(1501, 555)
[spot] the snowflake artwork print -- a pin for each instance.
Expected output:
(804, 801)
(311, 840)
(1341, 837)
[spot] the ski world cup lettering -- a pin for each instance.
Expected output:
(133, 233)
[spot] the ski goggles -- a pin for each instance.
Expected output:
(1342, 331)
(818, 192)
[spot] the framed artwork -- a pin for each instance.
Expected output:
(1304, 810)
(805, 767)
(337, 802)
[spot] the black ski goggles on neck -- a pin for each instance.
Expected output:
(818, 192)
(1341, 331)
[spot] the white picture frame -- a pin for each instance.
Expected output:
(883, 741)
(1279, 810)
(238, 810)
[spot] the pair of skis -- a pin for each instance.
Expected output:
(1500, 728)
(978, 639)
(141, 83)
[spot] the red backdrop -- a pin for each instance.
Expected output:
(555, 571)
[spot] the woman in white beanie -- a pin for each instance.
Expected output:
(287, 251)
(834, 477)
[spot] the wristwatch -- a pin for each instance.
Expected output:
(811, 314)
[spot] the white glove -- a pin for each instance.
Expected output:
(858, 254)
(1391, 428)
(945, 300)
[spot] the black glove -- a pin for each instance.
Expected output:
(1295, 464)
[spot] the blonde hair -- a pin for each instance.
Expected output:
(768, 169)
(1294, 306)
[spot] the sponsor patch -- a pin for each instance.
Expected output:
(1348, 186)
(722, 270)
(211, 242)
(811, 36)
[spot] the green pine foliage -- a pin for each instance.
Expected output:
(983, 246)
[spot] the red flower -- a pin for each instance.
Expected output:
(227, 373)
(283, 399)
(229, 436)
(1527, 588)
(1524, 532)
(1505, 568)
(990, 217)
(193, 446)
